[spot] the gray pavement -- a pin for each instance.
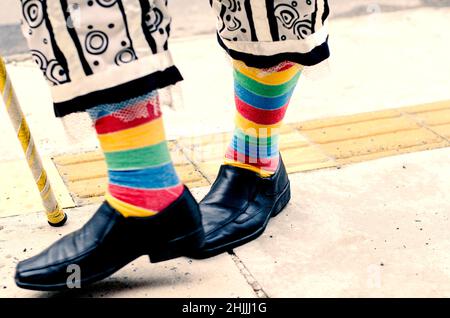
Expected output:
(374, 229)
(176, 278)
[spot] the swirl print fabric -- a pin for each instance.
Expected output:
(264, 33)
(95, 52)
(142, 178)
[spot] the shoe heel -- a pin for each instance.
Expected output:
(179, 247)
(283, 200)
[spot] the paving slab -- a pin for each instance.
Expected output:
(311, 145)
(373, 229)
(19, 193)
(22, 237)
(379, 61)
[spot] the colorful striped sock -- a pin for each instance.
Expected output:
(142, 178)
(262, 97)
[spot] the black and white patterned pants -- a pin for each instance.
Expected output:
(103, 51)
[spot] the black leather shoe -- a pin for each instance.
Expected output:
(110, 241)
(238, 207)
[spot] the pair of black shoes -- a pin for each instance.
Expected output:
(235, 211)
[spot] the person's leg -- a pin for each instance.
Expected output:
(269, 42)
(109, 58)
(142, 178)
(262, 97)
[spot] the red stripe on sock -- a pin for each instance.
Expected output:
(112, 123)
(286, 65)
(260, 116)
(153, 200)
(269, 164)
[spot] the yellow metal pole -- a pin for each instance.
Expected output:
(55, 215)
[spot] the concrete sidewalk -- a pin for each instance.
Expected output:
(378, 228)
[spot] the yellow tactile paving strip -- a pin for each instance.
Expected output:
(85, 174)
(316, 144)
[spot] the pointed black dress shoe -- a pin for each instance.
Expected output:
(238, 207)
(110, 241)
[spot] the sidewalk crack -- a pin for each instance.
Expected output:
(424, 125)
(254, 284)
(191, 161)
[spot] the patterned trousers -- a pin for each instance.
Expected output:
(103, 51)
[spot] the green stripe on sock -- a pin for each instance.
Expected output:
(265, 90)
(256, 140)
(138, 158)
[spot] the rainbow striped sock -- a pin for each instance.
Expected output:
(142, 178)
(262, 97)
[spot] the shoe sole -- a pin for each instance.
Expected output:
(279, 205)
(178, 247)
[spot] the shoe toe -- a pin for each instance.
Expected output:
(47, 267)
(29, 272)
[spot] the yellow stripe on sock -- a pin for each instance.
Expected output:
(256, 130)
(145, 135)
(275, 78)
(263, 173)
(126, 209)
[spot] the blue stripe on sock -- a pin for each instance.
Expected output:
(163, 176)
(252, 150)
(261, 102)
